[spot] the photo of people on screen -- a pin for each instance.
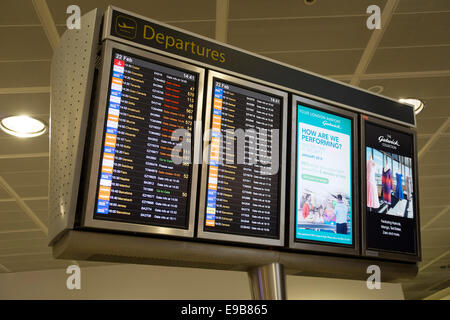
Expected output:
(389, 183)
(329, 213)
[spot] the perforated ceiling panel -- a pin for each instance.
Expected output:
(72, 72)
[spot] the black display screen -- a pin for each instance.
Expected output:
(140, 180)
(244, 161)
(391, 219)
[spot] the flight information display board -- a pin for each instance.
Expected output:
(391, 219)
(243, 182)
(141, 179)
(323, 159)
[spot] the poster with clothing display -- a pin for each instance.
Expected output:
(387, 184)
(372, 192)
(324, 177)
(390, 199)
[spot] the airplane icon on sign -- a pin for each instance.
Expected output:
(124, 26)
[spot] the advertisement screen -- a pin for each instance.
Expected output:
(324, 201)
(243, 182)
(390, 198)
(139, 181)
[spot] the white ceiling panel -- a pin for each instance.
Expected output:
(409, 30)
(423, 6)
(410, 59)
(30, 104)
(296, 8)
(32, 44)
(18, 12)
(167, 10)
(23, 164)
(25, 74)
(15, 145)
(412, 87)
(321, 62)
(301, 34)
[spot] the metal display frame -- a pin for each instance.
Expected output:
(380, 253)
(320, 246)
(88, 219)
(250, 85)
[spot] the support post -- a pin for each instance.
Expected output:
(268, 282)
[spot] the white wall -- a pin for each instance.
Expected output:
(154, 282)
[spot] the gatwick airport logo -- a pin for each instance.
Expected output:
(330, 124)
(388, 140)
(126, 27)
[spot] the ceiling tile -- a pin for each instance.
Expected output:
(23, 257)
(13, 216)
(421, 6)
(9, 206)
(9, 246)
(30, 104)
(443, 169)
(436, 158)
(24, 164)
(420, 29)
(38, 205)
(13, 236)
(4, 194)
(442, 142)
(43, 264)
(40, 190)
(297, 8)
(421, 142)
(206, 29)
(429, 126)
(435, 107)
(18, 12)
(17, 225)
(16, 145)
(26, 178)
(280, 35)
(33, 43)
(432, 239)
(412, 87)
(410, 59)
(432, 253)
(25, 74)
(434, 181)
(321, 62)
(435, 201)
(160, 10)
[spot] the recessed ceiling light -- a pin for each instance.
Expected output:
(376, 89)
(23, 126)
(417, 104)
(309, 2)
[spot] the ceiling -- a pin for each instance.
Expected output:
(409, 56)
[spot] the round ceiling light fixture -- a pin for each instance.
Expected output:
(376, 89)
(310, 2)
(23, 126)
(417, 104)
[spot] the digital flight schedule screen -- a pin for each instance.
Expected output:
(243, 178)
(140, 180)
